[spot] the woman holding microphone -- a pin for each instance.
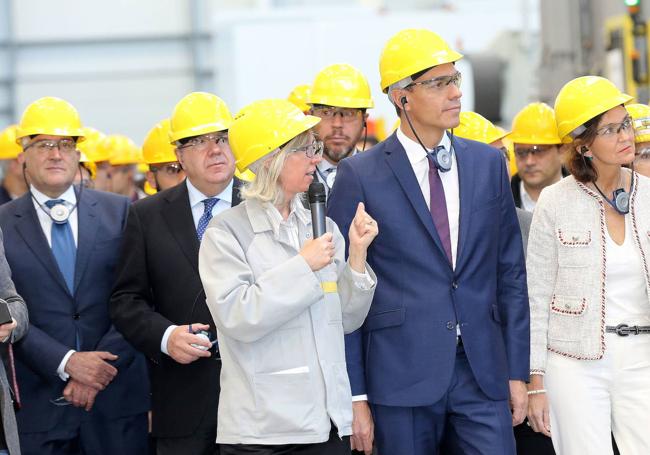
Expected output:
(280, 299)
(588, 283)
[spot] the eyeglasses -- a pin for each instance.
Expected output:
(61, 401)
(311, 150)
(535, 150)
(328, 113)
(615, 128)
(440, 82)
(169, 169)
(45, 146)
(203, 143)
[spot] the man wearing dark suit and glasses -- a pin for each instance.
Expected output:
(158, 300)
(81, 383)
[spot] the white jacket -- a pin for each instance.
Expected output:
(566, 267)
(280, 329)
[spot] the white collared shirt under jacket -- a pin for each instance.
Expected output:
(280, 326)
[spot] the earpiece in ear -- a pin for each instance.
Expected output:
(584, 149)
(403, 100)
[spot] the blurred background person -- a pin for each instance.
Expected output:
(13, 182)
(94, 151)
(538, 153)
(81, 382)
(641, 118)
(164, 169)
(588, 282)
(340, 97)
(282, 300)
(124, 160)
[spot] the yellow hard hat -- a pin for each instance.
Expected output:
(582, 99)
(535, 124)
(9, 149)
(640, 114)
(156, 147)
(411, 51)
(299, 96)
(51, 116)
(122, 150)
(90, 147)
(477, 128)
(341, 85)
(246, 176)
(263, 126)
(85, 162)
(198, 113)
(148, 189)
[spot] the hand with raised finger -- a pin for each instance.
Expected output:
(318, 253)
(179, 343)
(92, 368)
(363, 230)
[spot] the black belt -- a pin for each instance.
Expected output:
(624, 330)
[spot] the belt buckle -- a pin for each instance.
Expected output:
(620, 330)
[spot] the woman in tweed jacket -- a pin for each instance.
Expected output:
(588, 283)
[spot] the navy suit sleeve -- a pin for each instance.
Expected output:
(342, 205)
(512, 290)
(41, 352)
(112, 341)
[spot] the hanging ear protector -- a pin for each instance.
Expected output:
(439, 156)
(621, 198)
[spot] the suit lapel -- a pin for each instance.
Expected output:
(178, 216)
(87, 226)
(29, 228)
(398, 162)
(236, 188)
(465, 160)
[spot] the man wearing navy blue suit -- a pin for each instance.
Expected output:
(443, 354)
(84, 389)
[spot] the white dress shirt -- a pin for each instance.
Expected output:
(42, 212)
(527, 202)
(196, 204)
(420, 164)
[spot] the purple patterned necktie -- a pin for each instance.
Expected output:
(438, 206)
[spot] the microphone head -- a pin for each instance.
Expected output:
(316, 192)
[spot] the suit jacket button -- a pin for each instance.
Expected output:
(454, 285)
(451, 325)
(76, 316)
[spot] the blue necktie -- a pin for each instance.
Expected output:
(63, 247)
(208, 205)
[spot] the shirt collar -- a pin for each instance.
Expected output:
(298, 212)
(68, 196)
(414, 151)
(324, 165)
(196, 197)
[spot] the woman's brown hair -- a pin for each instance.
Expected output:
(576, 163)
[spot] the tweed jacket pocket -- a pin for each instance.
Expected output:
(566, 318)
(575, 247)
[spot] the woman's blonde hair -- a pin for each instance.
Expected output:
(266, 186)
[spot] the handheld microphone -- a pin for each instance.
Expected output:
(317, 197)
